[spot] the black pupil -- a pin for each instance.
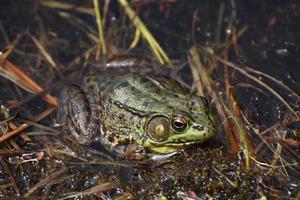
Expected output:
(178, 124)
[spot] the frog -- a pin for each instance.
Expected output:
(134, 114)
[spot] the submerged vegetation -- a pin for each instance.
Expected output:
(255, 154)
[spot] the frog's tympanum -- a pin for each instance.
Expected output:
(133, 114)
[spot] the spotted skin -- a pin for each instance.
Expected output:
(119, 108)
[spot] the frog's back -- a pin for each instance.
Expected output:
(140, 92)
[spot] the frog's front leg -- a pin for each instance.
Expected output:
(79, 114)
(134, 152)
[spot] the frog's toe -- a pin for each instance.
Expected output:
(134, 152)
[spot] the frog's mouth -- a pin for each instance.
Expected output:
(192, 137)
(182, 143)
(179, 143)
(170, 145)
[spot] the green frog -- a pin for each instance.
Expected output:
(134, 114)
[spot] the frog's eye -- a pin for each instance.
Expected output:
(158, 129)
(179, 123)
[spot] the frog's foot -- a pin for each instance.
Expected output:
(134, 152)
(77, 115)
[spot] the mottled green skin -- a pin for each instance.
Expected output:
(119, 107)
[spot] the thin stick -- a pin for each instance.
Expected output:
(100, 27)
(23, 126)
(244, 72)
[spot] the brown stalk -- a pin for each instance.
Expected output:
(22, 135)
(66, 6)
(237, 113)
(198, 68)
(96, 189)
(44, 52)
(22, 78)
(45, 181)
(23, 126)
(12, 178)
(255, 79)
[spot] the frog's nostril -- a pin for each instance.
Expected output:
(199, 127)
